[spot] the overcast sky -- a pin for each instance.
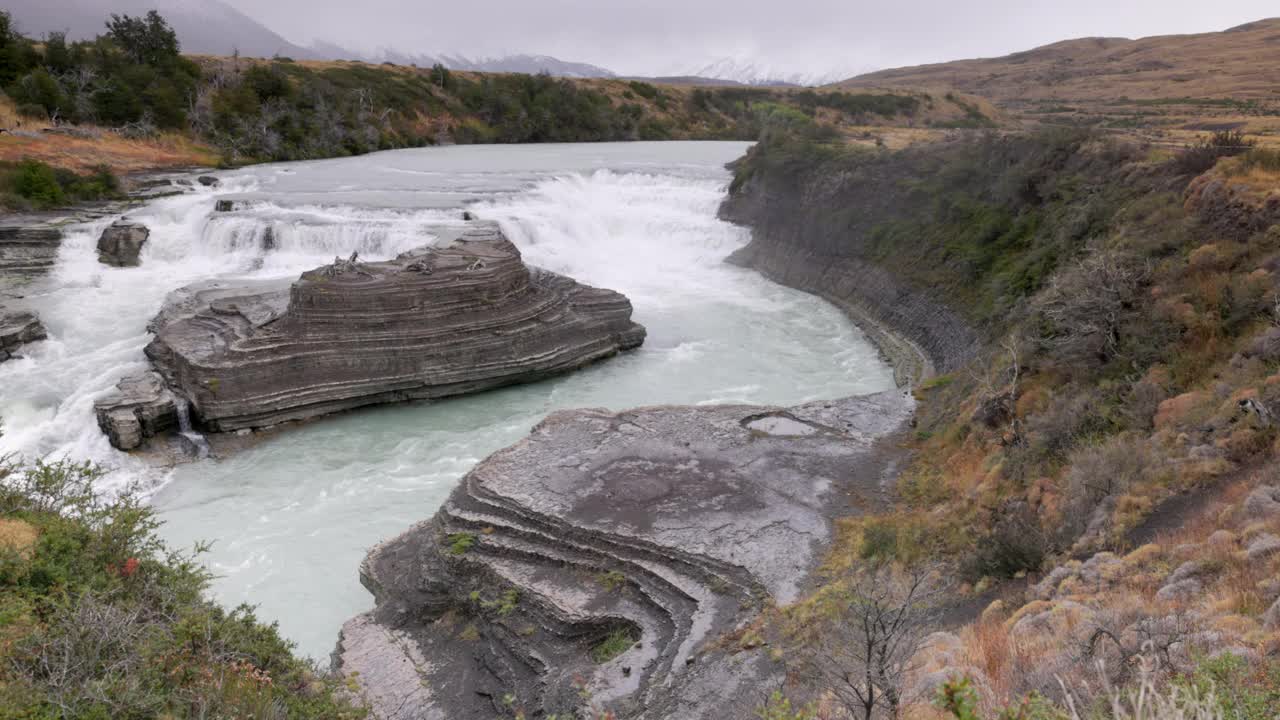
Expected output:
(654, 36)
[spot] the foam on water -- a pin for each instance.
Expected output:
(292, 517)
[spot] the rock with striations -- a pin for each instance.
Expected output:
(18, 329)
(28, 248)
(463, 315)
(660, 529)
(141, 407)
(120, 244)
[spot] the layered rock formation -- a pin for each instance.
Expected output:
(606, 554)
(141, 407)
(121, 243)
(17, 328)
(28, 248)
(463, 315)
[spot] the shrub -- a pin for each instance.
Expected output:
(102, 620)
(613, 645)
(37, 182)
(1204, 154)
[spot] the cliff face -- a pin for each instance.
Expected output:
(810, 231)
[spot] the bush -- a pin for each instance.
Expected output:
(37, 182)
(1205, 153)
(102, 620)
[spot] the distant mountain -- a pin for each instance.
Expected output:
(1242, 63)
(204, 27)
(530, 64)
(749, 71)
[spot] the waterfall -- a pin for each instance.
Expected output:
(294, 514)
(198, 444)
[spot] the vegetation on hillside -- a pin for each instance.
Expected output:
(1131, 356)
(33, 185)
(134, 79)
(98, 619)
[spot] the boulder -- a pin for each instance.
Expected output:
(1263, 502)
(461, 316)
(141, 407)
(224, 206)
(121, 244)
(208, 181)
(1263, 546)
(1184, 589)
(18, 329)
(1271, 618)
(674, 525)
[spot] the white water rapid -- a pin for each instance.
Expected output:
(291, 517)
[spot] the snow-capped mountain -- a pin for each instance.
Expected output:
(522, 63)
(750, 71)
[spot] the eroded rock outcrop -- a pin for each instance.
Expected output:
(608, 552)
(141, 407)
(121, 243)
(17, 328)
(28, 248)
(463, 315)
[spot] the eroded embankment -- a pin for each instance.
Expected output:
(810, 231)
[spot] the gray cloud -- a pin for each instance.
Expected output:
(656, 35)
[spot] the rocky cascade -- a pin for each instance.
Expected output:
(462, 315)
(606, 554)
(18, 328)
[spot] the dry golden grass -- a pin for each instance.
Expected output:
(18, 536)
(122, 155)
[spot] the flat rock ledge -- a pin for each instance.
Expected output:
(670, 526)
(460, 316)
(17, 328)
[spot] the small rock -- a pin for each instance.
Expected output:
(1271, 618)
(141, 407)
(208, 181)
(224, 206)
(1222, 537)
(1180, 590)
(121, 244)
(1263, 547)
(1190, 569)
(18, 329)
(1263, 502)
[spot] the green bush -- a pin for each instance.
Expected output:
(38, 183)
(100, 619)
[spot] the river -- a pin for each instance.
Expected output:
(291, 517)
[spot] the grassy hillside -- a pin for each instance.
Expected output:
(130, 100)
(1177, 83)
(1103, 468)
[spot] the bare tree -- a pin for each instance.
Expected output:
(1083, 308)
(865, 653)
